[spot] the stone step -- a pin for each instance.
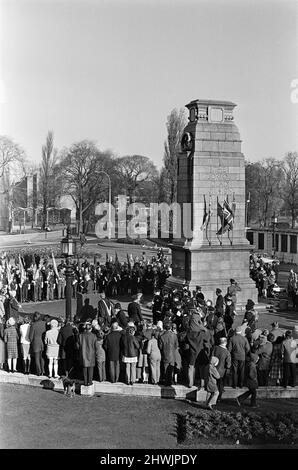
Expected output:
(146, 390)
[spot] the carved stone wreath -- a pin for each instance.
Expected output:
(187, 142)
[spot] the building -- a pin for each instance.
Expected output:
(279, 241)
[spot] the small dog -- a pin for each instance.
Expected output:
(69, 386)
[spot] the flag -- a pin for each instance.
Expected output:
(234, 205)
(55, 265)
(229, 213)
(8, 270)
(128, 262)
(22, 270)
(207, 215)
(226, 216)
(117, 262)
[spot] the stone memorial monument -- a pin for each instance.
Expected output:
(211, 192)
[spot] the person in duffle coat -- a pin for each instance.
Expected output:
(168, 343)
(87, 352)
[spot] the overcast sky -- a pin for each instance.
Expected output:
(111, 71)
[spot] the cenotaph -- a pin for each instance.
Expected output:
(211, 179)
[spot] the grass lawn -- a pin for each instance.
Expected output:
(34, 418)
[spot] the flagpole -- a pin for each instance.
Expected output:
(233, 210)
(220, 242)
(222, 224)
(229, 225)
(208, 218)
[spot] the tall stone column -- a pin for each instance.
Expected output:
(210, 171)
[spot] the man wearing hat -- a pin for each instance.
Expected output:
(276, 331)
(168, 343)
(134, 309)
(239, 348)
(199, 294)
(219, 304)
(251, 315)
(232, 291)
(156, 306)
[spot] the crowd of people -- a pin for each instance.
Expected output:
(264, 274)
(189, 341)
(33, 278)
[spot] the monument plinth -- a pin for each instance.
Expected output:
(211, 179)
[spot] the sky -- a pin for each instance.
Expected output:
(112, 71)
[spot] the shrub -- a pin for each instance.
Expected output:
(247, 427)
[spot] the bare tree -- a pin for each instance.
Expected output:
(264, 183)
(290, 186)
(80, 169)
(48, 176)
(176, 122)
(133, 171)
(10, 153)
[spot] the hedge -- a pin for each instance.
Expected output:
(245, 427)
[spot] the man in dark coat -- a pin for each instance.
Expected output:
(12, 306)
(200, 298)
(120, 315)
(156, 307)
(134, 310)
(87, 311)
(196, 339)
(168, 343)
(239, 348)
(36, 337)
(67, 341)
(224, 364)
(219, 305)
(111, 345)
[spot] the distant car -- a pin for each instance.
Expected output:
(47, 229)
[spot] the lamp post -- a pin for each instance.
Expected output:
(274, 223)
(68, 250)
(110, 200)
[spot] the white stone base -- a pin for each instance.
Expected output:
(88, 390)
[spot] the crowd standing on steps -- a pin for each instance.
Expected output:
(189, 341)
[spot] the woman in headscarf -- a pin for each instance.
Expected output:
(52, 351)
(11, 337)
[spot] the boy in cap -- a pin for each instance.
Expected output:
(252, 382)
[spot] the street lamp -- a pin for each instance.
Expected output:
(68, 248)
(110, 200)
(274, 224)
